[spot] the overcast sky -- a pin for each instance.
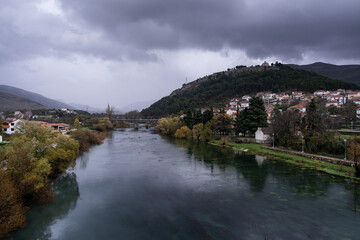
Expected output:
(96, 52)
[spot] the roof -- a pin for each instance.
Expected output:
(266, 130)
(297, 106)
(59, 124)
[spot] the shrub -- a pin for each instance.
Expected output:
(183, 133)
(86, 138)
(12, 210)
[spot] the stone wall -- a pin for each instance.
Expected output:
(313, 156)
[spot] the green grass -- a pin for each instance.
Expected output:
(256, 149)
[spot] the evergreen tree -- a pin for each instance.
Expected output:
(188, 119)
(242, 122)
(198, 117)
(256, 116)
(208, 115)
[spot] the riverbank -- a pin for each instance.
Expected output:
(28, 165)
(256, 149)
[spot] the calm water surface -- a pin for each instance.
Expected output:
(138, 185)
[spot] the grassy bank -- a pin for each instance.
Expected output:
(256, 149)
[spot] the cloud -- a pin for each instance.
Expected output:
(119, 52)
(260, 28)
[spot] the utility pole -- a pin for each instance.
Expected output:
(345, 148)
(302, 142)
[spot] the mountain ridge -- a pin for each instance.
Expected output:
(347, 73)
(222, 86)
(23, 96)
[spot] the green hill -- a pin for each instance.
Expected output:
(10, 101)
(220, 87)
(347, 73)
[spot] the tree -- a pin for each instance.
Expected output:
(196, 131)
(208, 115)
(76, 123)
(206, 133)
(256, 115)
(349, 111)
(242, 122)
(286, 127)
(109, 112)
(353, 153)
(314, 122)
(12, 210)
(222, 123)
(189, 119)
(184, 133)
(198, 117)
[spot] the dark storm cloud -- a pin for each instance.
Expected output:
(280, 28)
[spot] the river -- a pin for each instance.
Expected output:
(140, 185)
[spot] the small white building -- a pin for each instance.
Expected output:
(11, 127)
(358, 113)
(319, 93)
(244, 104)
(246, 98)
(263, 135)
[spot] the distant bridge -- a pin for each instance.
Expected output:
(135, 120)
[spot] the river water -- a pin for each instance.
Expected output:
(139, 185)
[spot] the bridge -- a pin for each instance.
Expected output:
(136, 120)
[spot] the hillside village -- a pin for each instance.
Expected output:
(13, 121)
(296, 101)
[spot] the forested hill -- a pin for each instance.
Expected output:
(348, 73)
(220, 87)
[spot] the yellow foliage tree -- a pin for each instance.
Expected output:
(183, 133)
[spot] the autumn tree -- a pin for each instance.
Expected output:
(286, 127)
(12, 210)
(353, 154)
(222, 123)
(76, 123)
(109, 112)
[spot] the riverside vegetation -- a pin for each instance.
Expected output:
(290, 131)
(34, 156)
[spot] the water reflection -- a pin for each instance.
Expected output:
(138, 185)
(255, 170)
(41, 218)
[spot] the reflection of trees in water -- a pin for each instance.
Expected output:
(224, 157)
(301, 181)
(83, 160)
(67, 194)
(354, 202)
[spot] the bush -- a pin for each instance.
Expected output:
(86, 138)
(169, 126)
(183, 133)
(223, 141)
(12, 210)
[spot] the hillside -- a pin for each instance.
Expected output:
(220, 87)
(12, 102)
(33, 97)
(347, 73)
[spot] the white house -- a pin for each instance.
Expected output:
(244, 104)
(263, 135)
(301, 108)
(246, 98)
(358, 113)
(319, 93)
(11, 127)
